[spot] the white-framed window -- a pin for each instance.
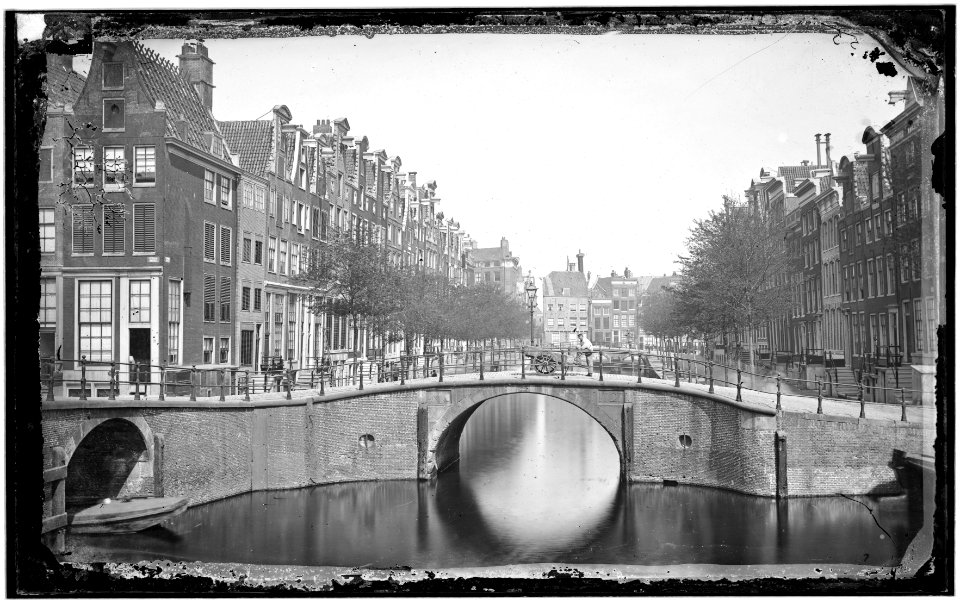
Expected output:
(208, 350)
(113, 229)
(209, 186)
(273, 202)
(294, 258)
(226, 245)
(144, 228)
(300, 217)
(209, 242)
(173, 321)
(83, 229)
(258, 199)
(114, 168)
(282, 269)
(272, 255)
(226, 191)
(286, 209)
(114, 116)
(144, 166)
(246, 199)
(83, 166)
(140, 301)
(48, 230)
(95, 319)
(48, 303)
(224, 356)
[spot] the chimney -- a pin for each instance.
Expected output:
(197, 69)
(817, 136)
(579, 261)
(805, 163)
(322, 127)
(827, 147)
(626, 273)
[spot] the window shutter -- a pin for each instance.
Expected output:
(209, 242)
(225, 247)
(113, 228)
(224, 299)
(144, 228)
(209, 296)
(83, 229)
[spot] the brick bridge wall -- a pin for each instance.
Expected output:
(208, 450)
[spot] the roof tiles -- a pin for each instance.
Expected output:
(252, 141)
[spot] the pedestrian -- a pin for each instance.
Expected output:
(586, 347)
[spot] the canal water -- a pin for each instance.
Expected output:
(537, 482)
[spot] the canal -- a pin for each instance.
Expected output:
(538, 481)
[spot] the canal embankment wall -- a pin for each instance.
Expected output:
(207, 450)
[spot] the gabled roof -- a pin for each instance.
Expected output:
(63, 86)
(791, 174)
(556, 281)
(489, 254)
(252, 141)
(161, 81)
(657, 283)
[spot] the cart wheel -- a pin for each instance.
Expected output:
(544, 364)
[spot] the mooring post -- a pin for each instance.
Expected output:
(863, 408)
(113, 376)
(589, 363)
(563, 364)
(819, 396)
(322, 390)
(136, 381)
(780, 456)
(440, 363)
(711, 377)
(739, 384)
(83, 377)
(360, 367)
(163, 381)
(903, 407)
(287, 382)
(193, 383)
(312, 377)
(481, 363)
(222, 378)
(676, 371)
(778, 394)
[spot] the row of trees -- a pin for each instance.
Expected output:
(354, 277)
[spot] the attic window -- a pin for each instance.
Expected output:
(112, 76)
(114, 117)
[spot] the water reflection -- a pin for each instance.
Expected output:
(537, 482)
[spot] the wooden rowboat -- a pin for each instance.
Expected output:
(125, 516)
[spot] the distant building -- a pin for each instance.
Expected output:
(615, 309)
(566, 302)
(498, 266)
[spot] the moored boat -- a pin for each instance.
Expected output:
(126, 515)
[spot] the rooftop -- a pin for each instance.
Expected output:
(251, 140)
(555, 282)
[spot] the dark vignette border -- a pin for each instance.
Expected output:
(922, 39)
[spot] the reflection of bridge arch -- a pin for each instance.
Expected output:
(108, 457)
(443, 444)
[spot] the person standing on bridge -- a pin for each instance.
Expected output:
(586, 347)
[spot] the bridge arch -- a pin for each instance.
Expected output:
(108, 457)
(443, 446)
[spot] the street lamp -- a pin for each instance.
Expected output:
(531, 289)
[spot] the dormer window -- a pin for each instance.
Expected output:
(114, 118)
(112, 76)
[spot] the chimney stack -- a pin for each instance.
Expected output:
(322, 127)
(627, 274)
(827, 147)
(197, 69)
(817, 136)
(580, 261)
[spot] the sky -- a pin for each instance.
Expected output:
(611, 145)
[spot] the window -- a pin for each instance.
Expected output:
(315, 223)
(272, 255)
(859, 233)
(286, 208)
(226, 245)
(208, 350)
(224, 351)
(245, 251)
(209, 242)
(258, 199)
(224, 299)
(48, 231)
(209, 298)
(258, 252)
(273, 202)
(875, 186)
(209, 186)
(918, 326)
(113, 229)
(96, 320)
(226, 190)
(245, 298)
(112, 76)
(46, 165)
(140, 301)
(283, 257)
(246, 197)
(871, 278)
(881, 277)
(846, 285)
(294, 258)
(300, 217)
(114, 167)
(144, 166)
(246, 347)
(891, 274)
(48, 303)
(83, 171)
(113, 114)
(257, 294)
(173, 321)
(83, 229)
(144, 228)
(869, 223)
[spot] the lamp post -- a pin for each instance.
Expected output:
(531, 289)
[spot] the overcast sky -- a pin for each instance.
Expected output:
(608, 144)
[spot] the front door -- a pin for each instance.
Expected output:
(140, 351)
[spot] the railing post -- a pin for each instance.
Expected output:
(739, 384)
(136, 381)
(360, 372)
(589, 363)
(481, 363)
(563, 364)
(710, 367)
(779, 407)
(639, 368)
(246, 386)
(403, 370)
(312, 377)
(903, 407)
(113, 378)
(163, 380)
(440, 363)
(83, 378)
(193, 383)
(819, 396)
(322, 390)
(222, 378)
(523, 363)
(287, 382)
(863, 409)
(676, 371)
